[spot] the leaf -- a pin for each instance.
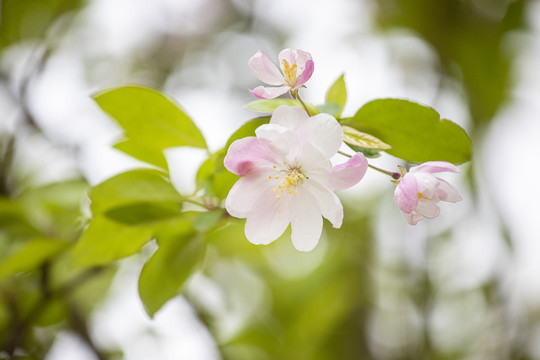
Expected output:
(151, 120)
(177, 257)
(206, 220)
(30, 255)
(415, 132)
(337, 94)
(269, 105)
(354, 137)
(133, 187)
(144, 153)
(143, 212)
(106, 240)
(330, 108)
(248, 129)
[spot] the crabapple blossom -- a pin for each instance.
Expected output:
(296, 69)
(287, 177)
(419, 191)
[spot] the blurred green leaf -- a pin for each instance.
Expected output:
(337, 94)
(151, 120)
(248, 129)
(105, 241)
(148, 154)
(354, 137)
(133, 187)
(208, 219)
(144, 212)
(31, 255)
(13, 221)
(415, 132)
(330, 108)
(178, 255)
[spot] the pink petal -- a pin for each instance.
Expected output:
(306, 74)
(245, 191)
(248, 155)
(323, 131)
(412, 218)
(269, 92)
(406, 194)
(265, 70)
(428, 208)
(307, 223)
(328, 203)
(349, 173)
(287, 54)
(447, 192)
(268, 219)
(435, 167)
(282, 141)
(426, 183)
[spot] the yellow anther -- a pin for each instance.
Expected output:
(274, 166)
(269, 176)
(422, 196)
(276, 177)
(278, 196)
(289, 71)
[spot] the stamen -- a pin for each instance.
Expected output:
(290, 183)
(289, 71)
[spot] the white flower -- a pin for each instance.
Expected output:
(287, 177)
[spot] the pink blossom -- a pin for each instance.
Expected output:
(296, 69)
(419, 191)
(286, 177)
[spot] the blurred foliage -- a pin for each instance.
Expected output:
(341, 301)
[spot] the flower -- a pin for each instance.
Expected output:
(287, 177)
(419, 191)
(296, 69)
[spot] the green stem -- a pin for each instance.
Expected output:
(393, 175)
(303, 104)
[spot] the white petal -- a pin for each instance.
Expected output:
(323, 131)
(435, 167)
(282, 141)
(412, 218)
(268, 219)
(266, 92)
(265, 70)
(426, 183)
(306, 224)
(428, 208)
(290, 117)
(246, 191)
(447, 192)
(328, 203)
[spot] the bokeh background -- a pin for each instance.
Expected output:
(462, 286)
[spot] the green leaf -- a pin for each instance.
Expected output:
(415, 132)
(133, 187)
(248, 129)
(269, 105)
(206, 220)
(151, 120)
(144, 153)
(179, 254)
(337, 94)
(144, 212)
(30, 255)
(369, 153)
(330, 108)
(106, 240)
(354, 137)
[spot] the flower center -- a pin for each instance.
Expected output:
(290, 72)
(289, 181)
(422, 196)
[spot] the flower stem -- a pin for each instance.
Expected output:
(296, 96)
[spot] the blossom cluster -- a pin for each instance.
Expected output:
(286, 176)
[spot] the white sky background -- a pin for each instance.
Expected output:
(117, 29)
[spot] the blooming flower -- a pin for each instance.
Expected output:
(286, 177)
(419, 191)
(296, 69)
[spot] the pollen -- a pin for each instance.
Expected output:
(422, 196)
(289, 71)
(293, 179)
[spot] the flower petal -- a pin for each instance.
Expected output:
(447, 192)
(328, 203)
(323, 131)
(269, 92)
(306, 74)
(265, 70)
(281, 140)
(290, 117)
(426, 183)
(248, 155)
(428, 208)
(307, 223)
(245, 192)
(412, 218)
(435, 167)
(268, 219)
(349, 173)
(406, 194)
